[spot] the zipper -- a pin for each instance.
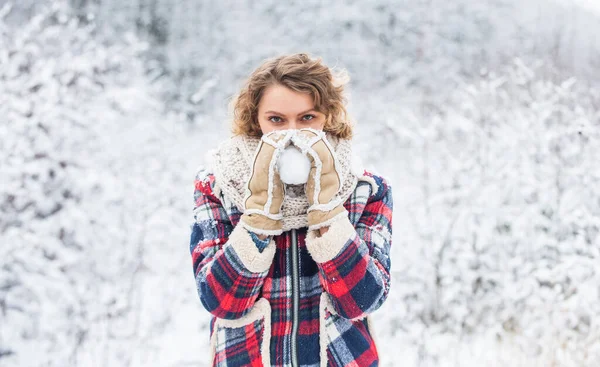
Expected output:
(295, 298)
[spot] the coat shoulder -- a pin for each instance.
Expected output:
(204, 182)
(380, 185)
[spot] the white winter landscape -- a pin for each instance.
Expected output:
(484, 115)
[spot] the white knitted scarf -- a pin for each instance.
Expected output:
(231, 164)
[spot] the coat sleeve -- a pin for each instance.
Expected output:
(354, 261)
(228, 267)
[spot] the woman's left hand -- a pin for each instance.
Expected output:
(324, 181)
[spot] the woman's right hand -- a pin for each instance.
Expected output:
(264, 190)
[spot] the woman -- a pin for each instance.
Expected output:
(290, 272)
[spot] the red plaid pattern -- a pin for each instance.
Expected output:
(356, 281)
(239, 346)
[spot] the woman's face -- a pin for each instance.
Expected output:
(281, 108)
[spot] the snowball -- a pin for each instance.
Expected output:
(293, 166)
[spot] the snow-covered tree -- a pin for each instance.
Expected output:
(87, 205)
(483, 115)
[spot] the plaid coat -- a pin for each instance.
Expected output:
(301, 301)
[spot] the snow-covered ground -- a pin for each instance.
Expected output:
(496, 194)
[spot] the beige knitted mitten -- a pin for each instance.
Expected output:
(264, 190)
(324, 181)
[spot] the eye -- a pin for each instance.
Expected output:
(276, 117)
(313, 117)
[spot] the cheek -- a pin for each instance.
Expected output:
(319, 124)
(265, 127)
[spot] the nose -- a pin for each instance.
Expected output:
(292, 125)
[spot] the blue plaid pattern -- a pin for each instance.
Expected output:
(261, 244)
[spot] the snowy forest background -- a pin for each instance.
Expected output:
(484, 115)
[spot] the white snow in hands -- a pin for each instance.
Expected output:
(293, 166)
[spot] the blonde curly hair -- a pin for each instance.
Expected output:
(300, 73)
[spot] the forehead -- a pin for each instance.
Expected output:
(284, 99)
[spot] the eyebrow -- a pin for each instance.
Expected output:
(301, 113)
